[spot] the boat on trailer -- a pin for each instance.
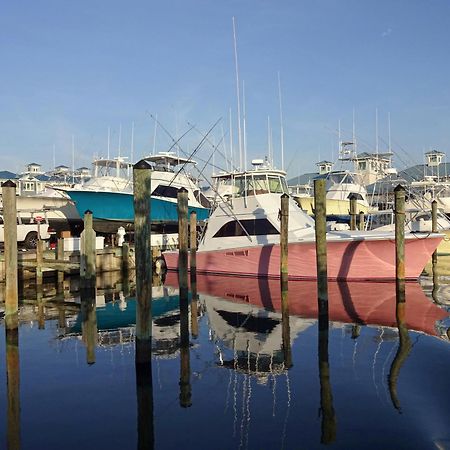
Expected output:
(242, 237)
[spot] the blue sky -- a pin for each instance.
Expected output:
(75, 68)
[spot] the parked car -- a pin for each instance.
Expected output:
(28, 230)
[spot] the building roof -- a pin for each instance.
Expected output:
(302, 179)
(434, 152)
(7, 175)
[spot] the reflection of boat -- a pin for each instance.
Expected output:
(109, 194)
(367, 303)
(243, 235)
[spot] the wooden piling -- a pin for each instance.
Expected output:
(434, 228)
(182, 207)
(10, 248)
(320, 216)
(399, 192)
(142, 190)
(88, 253)
(284, 229)
(125, 260)
(39, 261)
(361, 220)
(353, 209)
(193, 245)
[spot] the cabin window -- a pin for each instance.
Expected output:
(275, 185)
(165, 191)
(239, 184)
(253, 227)
(260, 184)
(362, 165)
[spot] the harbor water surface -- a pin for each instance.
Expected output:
(231, 370)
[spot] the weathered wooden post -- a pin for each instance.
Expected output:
(88, 253)
(60, 257)
(185, 386)
(39, 261)
(434, 227)
(13, 389)
(399, 232)
(320, 216)
(125, 259)
(193, 273)
(353, 209)
(284, 229)
(142, 229)
(182, 238)
(10, 244)
(361, 220)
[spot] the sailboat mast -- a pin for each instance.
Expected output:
(237, 95)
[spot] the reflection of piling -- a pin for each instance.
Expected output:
(320, 216)
(142, 190)
(286, 329)
(404, 347)
(434, 226)
(41, 307)
(125, 266)
(60, 257)
(284, 226)
(87, 256)
(10, 249)
(13, 387)
(399, 232)
(185, 367)
(361, 220)
(353, 211)
(144, 391)
(328, 427)
(89, 323)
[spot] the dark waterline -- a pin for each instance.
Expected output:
(238, 376)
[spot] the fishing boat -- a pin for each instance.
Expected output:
(109, 193)
(242, 237)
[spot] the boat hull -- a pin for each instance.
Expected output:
(119, 207)
(366, 259)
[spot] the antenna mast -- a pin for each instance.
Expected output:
(120, 137)
(154, 133)
(73, 159)
(281, 123)
(132, 142)
(376, 130)
(389, 131)
(231, 142)
(109, 139)
(245, 128)
(238, 95)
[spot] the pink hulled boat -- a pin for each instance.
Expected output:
(242, 237)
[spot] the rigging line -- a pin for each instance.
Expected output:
(216, 147)
(196, 150)
(176, 141)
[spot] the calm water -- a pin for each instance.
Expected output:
(248, 378)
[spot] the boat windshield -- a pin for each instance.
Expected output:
(252, 184)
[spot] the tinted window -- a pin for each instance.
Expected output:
(165, 191)
(254, 227)
(358, 196)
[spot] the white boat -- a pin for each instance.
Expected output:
(109, 194)
(242, 237)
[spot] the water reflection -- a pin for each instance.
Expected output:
(255, 339)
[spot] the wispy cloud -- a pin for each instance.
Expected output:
(386, 33)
